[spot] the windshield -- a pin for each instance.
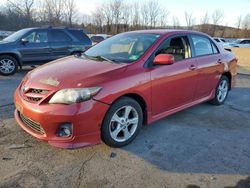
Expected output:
(123, 48)
(238, 41)
(15, 36)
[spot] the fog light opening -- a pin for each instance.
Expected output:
(65, 130)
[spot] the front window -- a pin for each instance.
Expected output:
(124, 48)
(15, 36)
(37, 37)
(178, 47)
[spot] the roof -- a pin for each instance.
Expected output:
(166, 31)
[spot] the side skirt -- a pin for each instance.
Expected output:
(167, 113)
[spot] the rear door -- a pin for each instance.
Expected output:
(37, 48)
(60, 43)
(173, 85)
(209, 65)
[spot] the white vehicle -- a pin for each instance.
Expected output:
(242, 43)
(223, 42)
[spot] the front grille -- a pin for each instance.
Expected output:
(35, 95)
(34, 99)
(39, 91)
(32, 124)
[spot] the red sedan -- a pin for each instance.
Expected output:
(126, 81)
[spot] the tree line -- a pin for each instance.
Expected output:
(113, 17)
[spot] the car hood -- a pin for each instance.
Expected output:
(72, 72)
(5, 42)
(6, 45)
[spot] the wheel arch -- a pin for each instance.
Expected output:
(229, 76)
(141, 101)
(14, 55)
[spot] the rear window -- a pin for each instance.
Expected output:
(80, 35)
(59, 36)
(203, 46)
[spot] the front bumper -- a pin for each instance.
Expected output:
(86, 119)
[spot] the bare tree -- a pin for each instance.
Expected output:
(23, 8)
(203, 23)
(163, 15)
(125, 16)
(116, 6)
(153, 12)
(238, 22)
(246, 22)
(144, 14)
(135, 16)
(54, 11)
(70, 11)
(205, 18)
(98, 18)
(217, 17)
(108, 17)
(190, 20)
(176, 22)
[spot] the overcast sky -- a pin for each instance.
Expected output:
(232, 8)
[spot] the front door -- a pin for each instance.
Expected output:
(37, 48)
(173, 85)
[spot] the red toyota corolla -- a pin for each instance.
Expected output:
(121, 83)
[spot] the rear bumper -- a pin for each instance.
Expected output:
(86, 119)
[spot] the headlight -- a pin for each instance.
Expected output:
(74, 95)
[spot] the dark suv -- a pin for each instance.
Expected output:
(33, 46)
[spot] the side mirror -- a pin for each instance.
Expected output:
(164, 59)
(24, 41)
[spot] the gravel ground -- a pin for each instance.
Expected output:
(203, 146)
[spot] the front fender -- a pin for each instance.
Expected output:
(13, 53)
(127, 83)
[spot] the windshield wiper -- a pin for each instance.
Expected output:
(104, 58)
(99, 57)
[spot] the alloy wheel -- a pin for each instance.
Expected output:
(222, 90)
(7, 66)
(124, 123)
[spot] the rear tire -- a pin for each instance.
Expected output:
(8, 65)
(221, 91)
(122, 122)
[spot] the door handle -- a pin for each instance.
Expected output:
(192, 67)
(219, 61)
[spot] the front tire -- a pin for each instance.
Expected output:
(122, 122)
(221, 91)
(8, 65)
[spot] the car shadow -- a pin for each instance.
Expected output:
(201, 139)
(245, 183)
